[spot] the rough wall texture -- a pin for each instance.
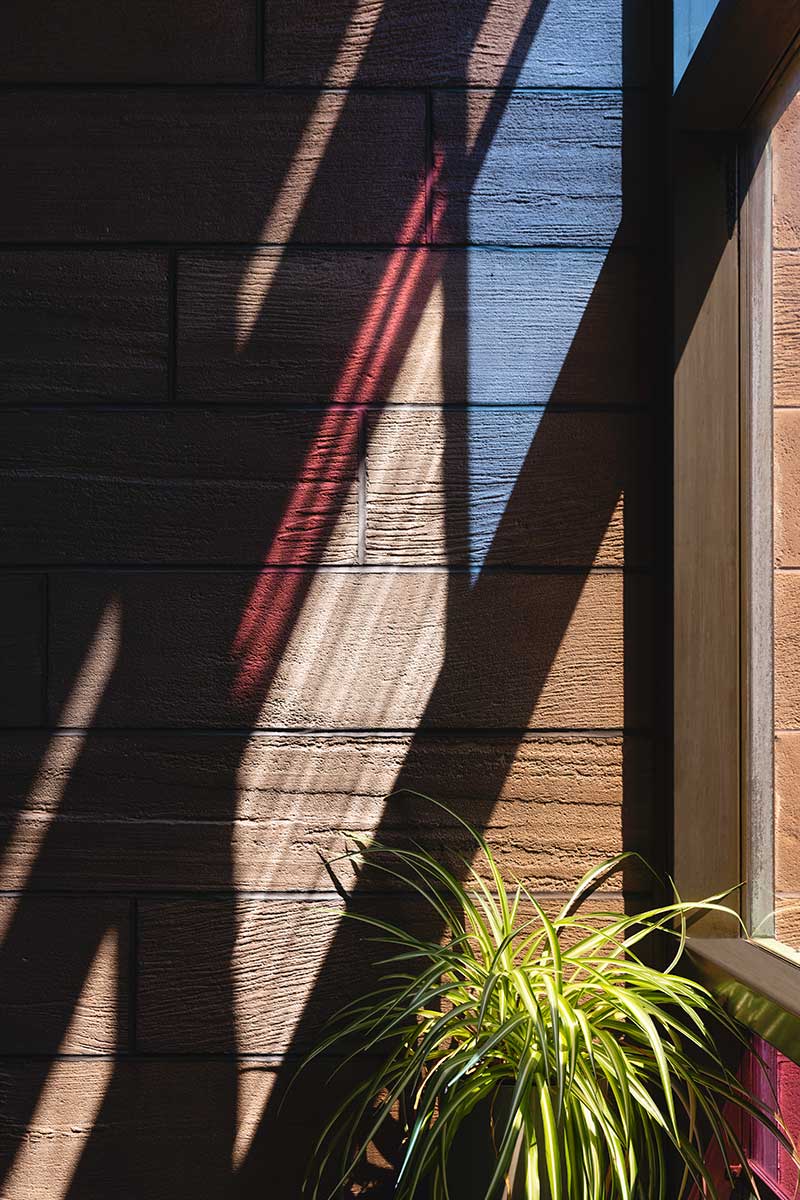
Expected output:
(786, 441)
(326, 467)
(785, 1075)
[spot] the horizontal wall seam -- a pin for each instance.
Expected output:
(344, 731)
(318, 568)
(339, 247)
(175, 1056)
(269, 88)
(284, 408)
(425, 733)
(228, 895)
(343, 567)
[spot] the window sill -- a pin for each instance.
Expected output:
(757, 986)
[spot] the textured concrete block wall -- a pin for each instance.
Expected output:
(786, 506)
(328, 465)
(786, 451)
(786, 358)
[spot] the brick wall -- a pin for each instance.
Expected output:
(328, 467)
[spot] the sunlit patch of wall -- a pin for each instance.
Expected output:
(355, 651)
(25, 841)
(499, 373)
(690, 21)
(50, 1147)
(281, 222)
(589, 206)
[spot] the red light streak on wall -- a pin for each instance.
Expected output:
(270, 609)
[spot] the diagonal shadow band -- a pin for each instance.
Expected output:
(527, 640)
(525, 643)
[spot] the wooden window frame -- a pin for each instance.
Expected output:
(722, 507)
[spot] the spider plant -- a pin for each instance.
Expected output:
(610, 1066)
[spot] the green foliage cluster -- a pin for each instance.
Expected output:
(610, 1066)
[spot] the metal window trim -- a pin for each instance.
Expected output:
(732, 92)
